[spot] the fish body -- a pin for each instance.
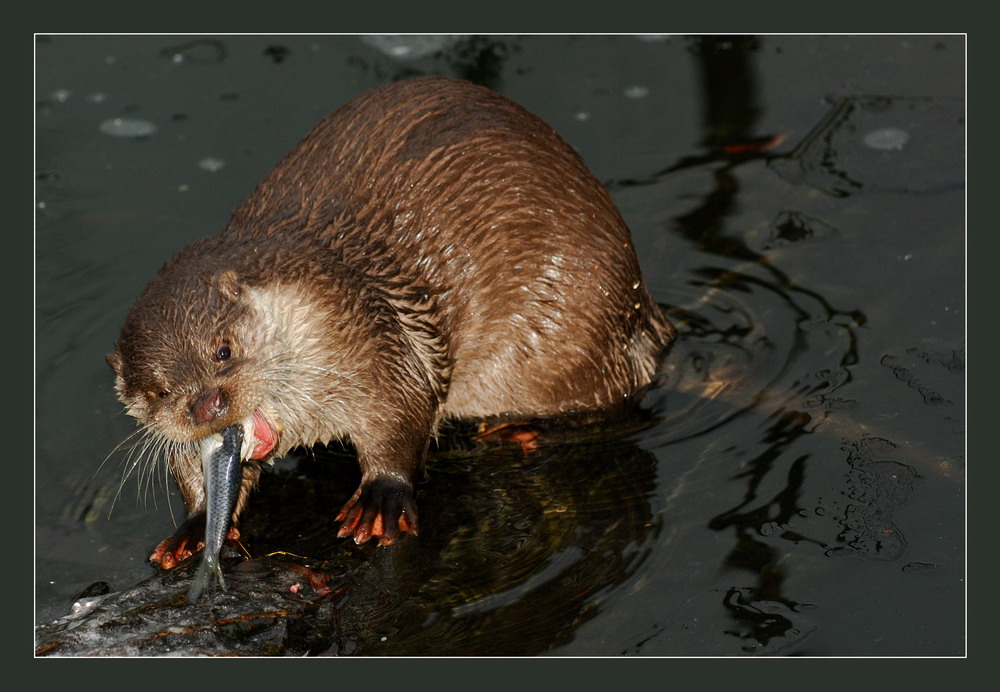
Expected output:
(221, 465)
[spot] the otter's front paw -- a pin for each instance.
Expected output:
(381, 508)
(186, 541)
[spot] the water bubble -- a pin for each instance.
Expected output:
(97, 97)
(887, 138)
(202, 51)
(406, 47)
(211, 164)
(769, 528)
(127, 127)
(636, 91)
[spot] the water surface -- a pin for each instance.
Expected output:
(796, 485)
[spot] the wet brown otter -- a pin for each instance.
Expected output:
(429, 250)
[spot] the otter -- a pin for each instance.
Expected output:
(430, 250)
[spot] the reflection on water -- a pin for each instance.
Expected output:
(759, 346)
(755, 347)
(515, 549)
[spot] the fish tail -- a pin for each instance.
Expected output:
(207, 575)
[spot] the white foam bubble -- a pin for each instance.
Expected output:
(636, 91)
(407, 47)
(211, 164)
(887, 138)
(127, 127)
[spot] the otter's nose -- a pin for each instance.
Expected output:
(209, 407)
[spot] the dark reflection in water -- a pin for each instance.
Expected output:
(514, 551)
(730, 113)
(728, 81)
(481, 59)
(478, 58)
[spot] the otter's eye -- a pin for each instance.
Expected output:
(158, 395)
(223, 352)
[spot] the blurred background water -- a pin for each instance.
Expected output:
(797, 486)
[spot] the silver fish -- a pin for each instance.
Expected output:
(220, 462)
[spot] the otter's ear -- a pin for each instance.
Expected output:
(229, 284)
(115, 361)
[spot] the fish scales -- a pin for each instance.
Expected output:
(220, 459)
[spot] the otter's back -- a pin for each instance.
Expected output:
(482, 206)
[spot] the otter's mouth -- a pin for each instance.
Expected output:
(264, 437)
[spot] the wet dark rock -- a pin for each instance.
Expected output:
(270, 608)
(98, 588)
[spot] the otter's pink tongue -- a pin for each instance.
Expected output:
(267, 438)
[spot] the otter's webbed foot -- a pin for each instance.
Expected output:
(187, 540)
(520, 433)
(382, 508)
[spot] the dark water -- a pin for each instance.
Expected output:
(797, 484)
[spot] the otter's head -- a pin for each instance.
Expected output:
(181, 360)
